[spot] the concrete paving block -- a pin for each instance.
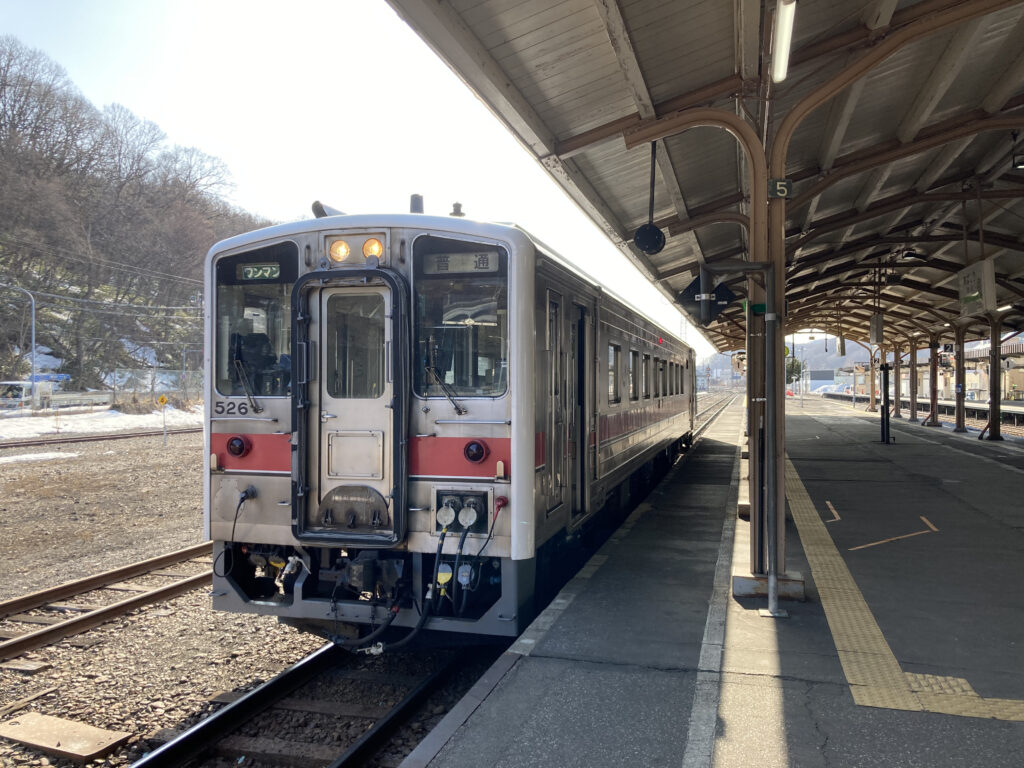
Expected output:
(77, 741)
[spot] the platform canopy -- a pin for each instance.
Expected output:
(896, 127)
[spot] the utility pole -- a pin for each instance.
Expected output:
(32, 356)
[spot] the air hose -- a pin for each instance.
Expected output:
(455, 573)
(428, 604)
(361, 643)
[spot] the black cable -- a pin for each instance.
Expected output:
(353, 643)
(455, 571)
(428, 604)
(248, 493)
(358, 643)
(490, 535)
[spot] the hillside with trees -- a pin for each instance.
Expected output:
(105, 223)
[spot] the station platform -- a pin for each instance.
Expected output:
(908, 650)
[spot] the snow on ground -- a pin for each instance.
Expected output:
(22, 425)
(37, 457)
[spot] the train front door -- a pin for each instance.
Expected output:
(354, 466)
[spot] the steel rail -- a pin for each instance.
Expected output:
(362, 748)
(95, 438)
(717, 408)
(89, 583)
(51, 634)
(199, 737)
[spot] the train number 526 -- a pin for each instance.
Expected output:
(230, 408)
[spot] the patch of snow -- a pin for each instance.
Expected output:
(37, 457)
(99, 421)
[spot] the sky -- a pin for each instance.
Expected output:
(331, 100)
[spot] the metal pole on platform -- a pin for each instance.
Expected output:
(885, 402)
(771, 327)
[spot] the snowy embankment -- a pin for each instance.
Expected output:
(22, 426)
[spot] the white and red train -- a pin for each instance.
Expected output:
(407, 416)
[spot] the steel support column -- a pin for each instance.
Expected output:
(872, 373)
(912, 381)
(995, 375)
(897, 385)
(774, 481)
(755, 425)
(960, 377)
(933, 382)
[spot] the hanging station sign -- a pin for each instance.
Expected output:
(977, 285)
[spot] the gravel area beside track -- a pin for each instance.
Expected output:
(96, 507)
(91, 507)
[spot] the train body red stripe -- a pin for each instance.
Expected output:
(267, 453)
(443, 457)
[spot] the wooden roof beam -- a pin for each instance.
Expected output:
(625, 54)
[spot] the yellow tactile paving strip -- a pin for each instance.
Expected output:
(873, 672)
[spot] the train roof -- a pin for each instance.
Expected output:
(451, 224)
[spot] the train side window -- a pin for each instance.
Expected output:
(634, 375)
(614, 355)
(646, 373)
(657, 377)
(670, 373)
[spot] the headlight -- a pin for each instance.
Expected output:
(339, 250)
(373, 247)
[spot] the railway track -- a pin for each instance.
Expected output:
(708, 411)
(1009, 430)
(980, 424)
(318, 691)
(56, 618)
(94, 438)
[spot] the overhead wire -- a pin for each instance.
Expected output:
(116, 266)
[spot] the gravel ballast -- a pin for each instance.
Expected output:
(80, 508)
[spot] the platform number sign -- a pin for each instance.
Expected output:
(780, 188)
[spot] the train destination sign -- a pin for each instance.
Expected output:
(259, 271)
(460, 263)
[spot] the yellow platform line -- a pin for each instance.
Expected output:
(872, 670)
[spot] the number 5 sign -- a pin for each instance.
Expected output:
(780, 188)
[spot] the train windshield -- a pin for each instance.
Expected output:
(253, 322)
(461, 318)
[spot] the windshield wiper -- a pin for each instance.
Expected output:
(447, 391)
(256, 407)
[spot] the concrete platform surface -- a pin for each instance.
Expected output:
(909, 650)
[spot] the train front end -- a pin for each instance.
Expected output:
(370, 460)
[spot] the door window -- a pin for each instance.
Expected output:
(354, 346)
